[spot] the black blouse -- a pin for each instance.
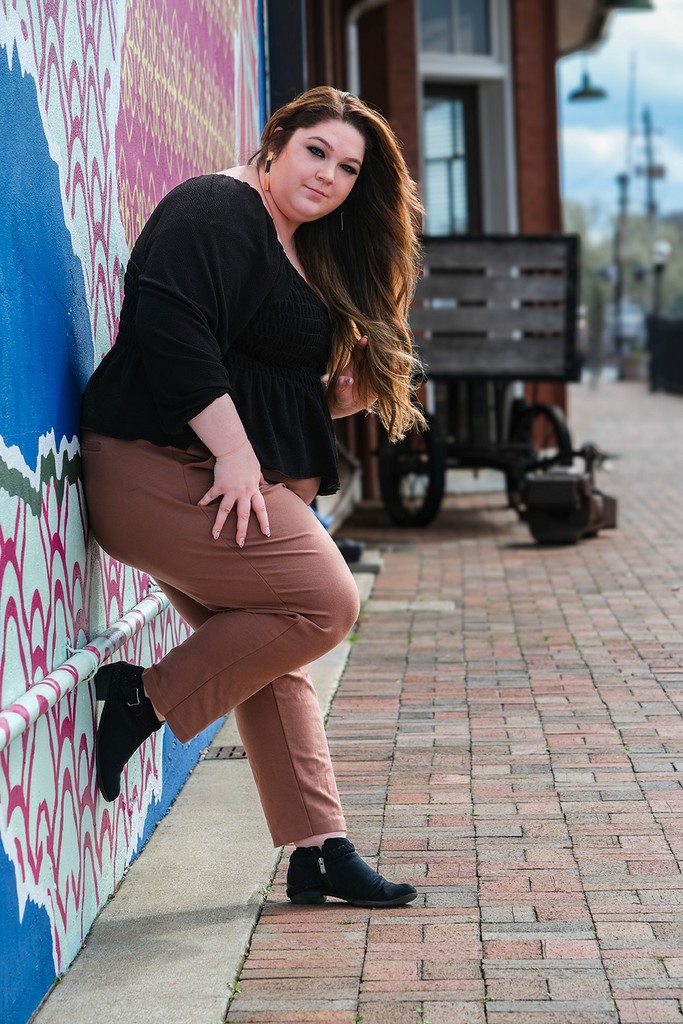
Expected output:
(213, 306)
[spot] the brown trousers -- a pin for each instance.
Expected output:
(261, 614)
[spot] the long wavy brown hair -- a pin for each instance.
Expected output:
(365, 273)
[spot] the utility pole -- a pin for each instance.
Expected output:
(650, 170)
(619, 238)
(660, 251)
(620, 225)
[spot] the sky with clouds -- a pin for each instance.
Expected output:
(594, 142)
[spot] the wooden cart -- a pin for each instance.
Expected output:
(490, 313)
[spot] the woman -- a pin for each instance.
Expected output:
(259, 304)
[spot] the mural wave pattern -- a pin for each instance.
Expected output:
(132, 98)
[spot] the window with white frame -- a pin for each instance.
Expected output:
(456, 26)
(465, 75)
(451, 161)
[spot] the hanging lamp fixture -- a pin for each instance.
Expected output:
(587, 91)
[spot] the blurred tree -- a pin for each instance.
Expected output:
(595, 226)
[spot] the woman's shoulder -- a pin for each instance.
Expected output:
(218, 184)
(210, 221)
(210, 199)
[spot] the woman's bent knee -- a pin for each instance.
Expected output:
(340, 610)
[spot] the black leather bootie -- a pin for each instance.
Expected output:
(337, 870)
(126, 721)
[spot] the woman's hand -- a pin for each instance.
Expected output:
(237, 473)
(236, 480)
(345, 399)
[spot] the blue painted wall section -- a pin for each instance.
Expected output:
(29, 945)
(46, 349)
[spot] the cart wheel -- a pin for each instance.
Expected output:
(542, 436)
(412, 476)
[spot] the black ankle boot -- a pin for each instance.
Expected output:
(126, 721)
(337, 870)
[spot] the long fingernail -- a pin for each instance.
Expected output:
(268, 532)
(241, 543)
(216, 534)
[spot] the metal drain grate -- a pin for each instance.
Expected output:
(224, 753)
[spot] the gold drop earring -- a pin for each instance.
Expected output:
(266, 173)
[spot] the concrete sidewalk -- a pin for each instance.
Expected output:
(507, 735)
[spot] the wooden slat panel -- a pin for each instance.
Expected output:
(480, 287)
(484, 357)
(492, 253)
(502, 273)
(495, 320)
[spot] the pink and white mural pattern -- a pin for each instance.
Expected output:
(133, 97)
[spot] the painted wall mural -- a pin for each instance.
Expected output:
(104, 106)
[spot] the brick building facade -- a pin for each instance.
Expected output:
(493, 63)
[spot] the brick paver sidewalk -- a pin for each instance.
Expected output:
(508, 737)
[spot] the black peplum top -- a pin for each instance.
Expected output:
(212, 306)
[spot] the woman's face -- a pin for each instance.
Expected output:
(316, 170)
